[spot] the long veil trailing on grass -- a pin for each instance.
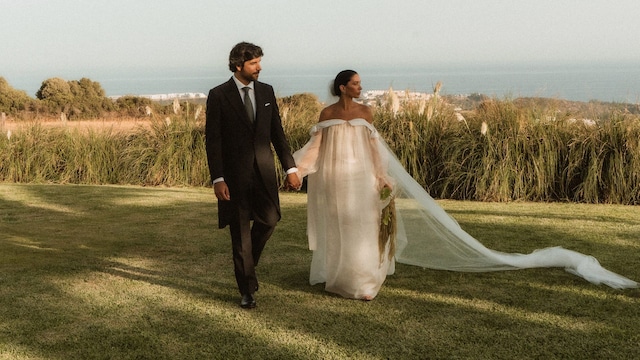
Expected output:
(429, 237)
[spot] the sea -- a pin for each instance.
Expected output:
(607, 82)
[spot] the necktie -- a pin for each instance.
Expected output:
(247, 103)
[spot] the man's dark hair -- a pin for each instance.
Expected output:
(242, 52)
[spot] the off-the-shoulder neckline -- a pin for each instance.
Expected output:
(324, 124)
(354, 119)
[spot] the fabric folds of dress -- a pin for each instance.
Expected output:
(427, 236)
(345, 177)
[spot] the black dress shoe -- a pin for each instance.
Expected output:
(247, 302)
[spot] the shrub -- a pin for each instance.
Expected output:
(13, 101)
(76, 98)
(88, 99)
(55, 93)
(134, 106)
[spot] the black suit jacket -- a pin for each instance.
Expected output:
(234, 144)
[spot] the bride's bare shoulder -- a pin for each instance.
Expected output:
(366, 113)
(328, 113)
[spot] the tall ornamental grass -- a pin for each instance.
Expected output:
(416, 131)
(298, 113)
(38, 154)
(167, 152)
(605, 162)
(502, 152)
(499, 151)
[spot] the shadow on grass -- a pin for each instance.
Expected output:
(125, 272)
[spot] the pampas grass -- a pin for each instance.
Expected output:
(168, 153)
(500, 151)
(165, 153)
(504, 152)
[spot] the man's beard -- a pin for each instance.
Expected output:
(250, 77)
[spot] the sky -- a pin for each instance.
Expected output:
(77, 37)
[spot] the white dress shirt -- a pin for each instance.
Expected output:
(252, 93)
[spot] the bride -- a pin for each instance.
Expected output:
(349, 166)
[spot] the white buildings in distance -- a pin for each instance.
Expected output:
(368, 97)
(376, 97)
(172, 96)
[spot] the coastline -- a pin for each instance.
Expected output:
(615, 82)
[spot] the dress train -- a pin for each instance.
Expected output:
(429, 237)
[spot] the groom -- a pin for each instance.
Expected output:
(243, 121)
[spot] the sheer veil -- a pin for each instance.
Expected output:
(429, 237)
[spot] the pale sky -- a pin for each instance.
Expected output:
(76, 36)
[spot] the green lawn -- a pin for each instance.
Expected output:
(114, 272)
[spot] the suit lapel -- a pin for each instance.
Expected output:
(233, 96)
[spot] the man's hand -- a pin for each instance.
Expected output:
(293, 181)
(221, 190)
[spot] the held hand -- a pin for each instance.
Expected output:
(293, 181)
(221, 190)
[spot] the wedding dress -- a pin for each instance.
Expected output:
(347, 163)
(345, 176)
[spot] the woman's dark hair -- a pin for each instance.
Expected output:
(342, 78)
(242, 52)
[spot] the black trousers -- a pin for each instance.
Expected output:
(252, 225)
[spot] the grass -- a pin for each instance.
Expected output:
(124, 272)
(503, 150)
(508, 150)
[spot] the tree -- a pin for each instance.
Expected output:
(56, 94)
(76, 98)
(12, 100)
(89, 98)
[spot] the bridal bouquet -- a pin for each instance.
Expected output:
(388, 224)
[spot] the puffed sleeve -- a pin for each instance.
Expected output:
(307, 157)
